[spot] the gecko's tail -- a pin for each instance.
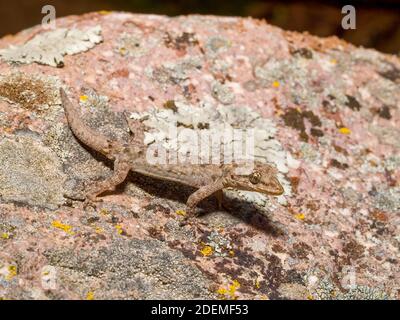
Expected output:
(82, 131)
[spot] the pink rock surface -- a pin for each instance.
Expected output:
(335, 113)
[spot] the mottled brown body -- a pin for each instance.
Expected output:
(209, 179)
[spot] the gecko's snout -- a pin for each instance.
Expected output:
(275, 187)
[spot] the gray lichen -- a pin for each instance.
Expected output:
(174, 72)
(223, 93)
(147, 267)
(50, 48)
(30, 173)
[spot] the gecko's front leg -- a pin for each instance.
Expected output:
(201, 194)
(121, 170)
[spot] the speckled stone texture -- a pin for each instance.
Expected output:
(324, 112)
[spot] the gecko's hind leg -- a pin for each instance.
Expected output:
(121, 170)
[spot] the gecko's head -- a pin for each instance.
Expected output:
(255, 176)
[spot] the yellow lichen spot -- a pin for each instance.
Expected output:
(122, 51)
(12, 272)
(333, 61)
(276, 84)
(230, 292)
(119, 228)
(104, 12)
(233, 287)
(5, 235)
(180, 212)
(231, 253)
(299, 216)
(310, 297)
(222, 291)
(66, 228)
(206, 251)
(83, 98)
(264, 297)
(104, 212)
(90, 295)
(344, 130)
(98, 230)
(257, 284)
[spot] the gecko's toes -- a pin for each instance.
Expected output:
(189, 217)
(91, 202)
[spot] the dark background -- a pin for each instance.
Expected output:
(378, 22)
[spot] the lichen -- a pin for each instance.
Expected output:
(49, 48)
(32, 92)
(30, 173)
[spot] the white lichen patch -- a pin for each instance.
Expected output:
(305, 80)
(174, 72)
(187, 126)
(135, 44)
(50, 48)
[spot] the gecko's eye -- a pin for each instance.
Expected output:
(255, 177)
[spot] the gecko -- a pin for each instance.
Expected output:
(207, 179)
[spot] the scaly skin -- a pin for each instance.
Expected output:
(209, 179)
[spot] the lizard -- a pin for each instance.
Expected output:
(208, 179)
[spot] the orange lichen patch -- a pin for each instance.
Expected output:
(344, 130)
(5, 235)
(222, 291)
(64, 227)
(90, 295)
(206, 251)
(99, 230)
(229, 292)
(299, 216)
(180, 212)
(233, 288)
(119, 229)
(8, 130)
(380, 216)
(30, 92)
(123, 51)
(12, 272)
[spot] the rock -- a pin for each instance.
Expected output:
(324, 112)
